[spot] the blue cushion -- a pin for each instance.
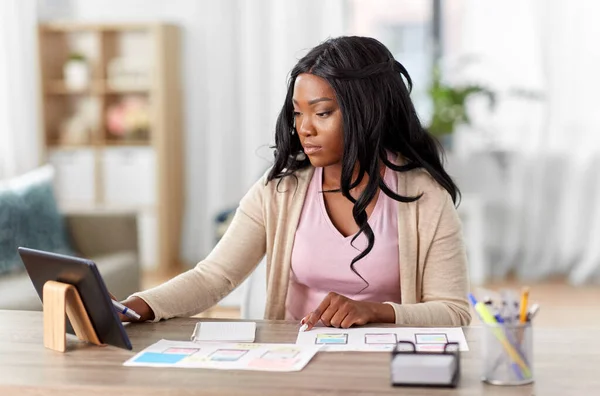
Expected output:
(29, 217)
(11, 220)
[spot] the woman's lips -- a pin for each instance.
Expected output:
(309, 150)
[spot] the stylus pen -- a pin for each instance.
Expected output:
(130, 313)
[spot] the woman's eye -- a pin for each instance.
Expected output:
(296, 114)
(324, 114)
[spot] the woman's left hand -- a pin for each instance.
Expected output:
(340, 311)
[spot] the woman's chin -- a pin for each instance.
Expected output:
(319, 162)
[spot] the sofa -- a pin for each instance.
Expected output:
(32, 219)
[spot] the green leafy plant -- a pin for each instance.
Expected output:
(76, 56)
(449, 104)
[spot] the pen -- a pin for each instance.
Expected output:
(533, 311)
(524, 299)
(122, 309)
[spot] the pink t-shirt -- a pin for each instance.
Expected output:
(321, 255)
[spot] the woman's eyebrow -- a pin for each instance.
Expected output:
(315, 101)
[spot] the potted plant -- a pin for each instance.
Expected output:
(449, 106)
(76, 72)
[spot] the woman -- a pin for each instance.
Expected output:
(356, 216)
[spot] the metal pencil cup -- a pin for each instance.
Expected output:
(507, 354)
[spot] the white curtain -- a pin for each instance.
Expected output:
(249, 51)
(18, 87)
(535, 162)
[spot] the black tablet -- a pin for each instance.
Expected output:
(83, 274)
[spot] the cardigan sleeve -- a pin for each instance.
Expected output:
(231, 261)
(445, 283)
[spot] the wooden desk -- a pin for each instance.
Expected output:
(566, 363)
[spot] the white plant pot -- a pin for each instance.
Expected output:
(77, 75)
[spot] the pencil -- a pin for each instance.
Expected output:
(524, 300)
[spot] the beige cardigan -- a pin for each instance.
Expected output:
(433, 266)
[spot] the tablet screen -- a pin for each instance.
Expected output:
(84, 275)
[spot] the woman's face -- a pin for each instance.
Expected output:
(318, 120)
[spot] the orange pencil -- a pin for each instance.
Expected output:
(524, 300)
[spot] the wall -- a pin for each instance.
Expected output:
(237, 54)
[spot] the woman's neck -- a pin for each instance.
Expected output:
(332, 177)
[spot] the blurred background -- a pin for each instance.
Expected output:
(130, 129)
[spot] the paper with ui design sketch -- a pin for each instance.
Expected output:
(230, 356)
(224, 332)
(369, 339)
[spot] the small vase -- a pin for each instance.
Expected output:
(76, 74)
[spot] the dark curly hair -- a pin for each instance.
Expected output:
(377, 115)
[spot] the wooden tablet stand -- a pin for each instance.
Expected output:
(60, 298)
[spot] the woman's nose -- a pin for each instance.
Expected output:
(305, 127)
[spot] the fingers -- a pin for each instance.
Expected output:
(351, 320)
(337, 311)
(339, 317)
(337, 303)
(331, 312)
(347, 322)
(313, 318)
(328, 315)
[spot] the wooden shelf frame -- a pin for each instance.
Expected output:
(163, 93)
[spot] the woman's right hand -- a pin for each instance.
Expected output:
(138, 305)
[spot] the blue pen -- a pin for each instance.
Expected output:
(122, 309)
